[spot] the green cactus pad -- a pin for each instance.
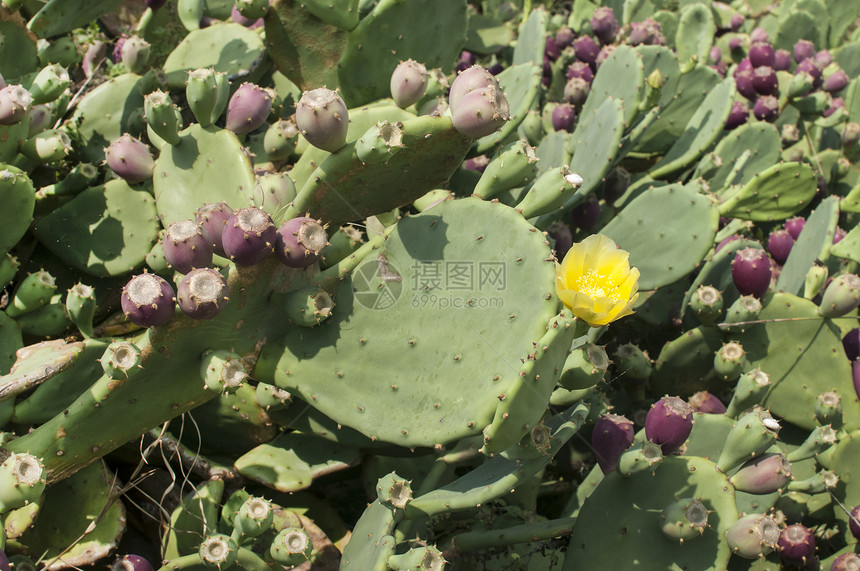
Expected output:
(621, 76)
(596, 146)
(695, 33)
(374, 543)
(89, 498)
(764, 145)
(532, 39)
(701, 132)
(105, 231)
(625, 512)
(486, 35)
(291, 461)
(17, 51)
(802, 354)
(207, 165)
(520, 84)
(104, 114)
(57, 17)
(409, 321)
(813, 244)
(18, 203)
(849, 246)
(684, 361)
(667, 230)
(340, 13)
(798, 25)
(194, 519)
(229, 48)
(385, 37)
(773, 194)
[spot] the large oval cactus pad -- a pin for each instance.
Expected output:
(430, 331)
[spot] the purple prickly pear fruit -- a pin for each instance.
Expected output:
(759, 35)
(564, 37)
(546, 72)
(185, 247)
(764, 81)
(779, 245)
(604, 25)
(808, 66)
(835, 82)
(154, 5)
(846, 562)
(796, 545)
(581, 70)
(823, 58)
(4, 561)
(116, 53)
(477, 164)
(564, 117)
(130, 159)
(15, 102)
(212, 218)
(745, 65)
(585, 215)
(612, 435)
(461, 66)
(131, 562)
(803, 49)
(604, 54)
(761, 54)
(763, 474)
(851, 344)
(781, 60)
(586, 49)
(576, 91)
(468, 58)
(766, 108)
(736, 45)
(669, 423)
(299, 242)
(480, 112)
(835, 106)
(854, 522)
(707, 403)
(250, 23)
(147, 300)
(134, 52)
(551, 51)
(838, 235)
(562, 236)
(249, 107)
(794, 226)
(323, 119)
(496, 69)
(753, 536)
(647, 32)
(738, 115)
(744, 83)
(716, 54)
(408, 83)
(841, 296)
(203, 293)
(751, 272)
(472, 79)
(93, 58)
(249, 236)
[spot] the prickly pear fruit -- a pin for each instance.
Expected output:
(135, 53)
(292, 546)
(130, 159)
(249, 236)
(750, 389)
(851, 344)
(803, 49)
(766, 108)
(472, 79)
(707, 304)
(480, 112)
(22, 480)
(218, 551)
(162, 116)
(753, 536)
(212, 218)
(763, 474)
(612, 435)
(394, 491)
(796, 545)
(207, 92)
(707, 403)
(841, 296)
(751, 435)
(203, 293)
(185, 247)
(669, 423)
(854, 522)
(408, 83)
(779, 245)
(308, 306)
(730, 361)
(604, 25)
(564, 117)
(147, 300)
(322, 118)
(15, 102)
(120, 360)
(761, 54)
(131, 562)
(222, 370)
(576, 91)
(254, 517)
(751, 272)
(846, 562)
(299, 241)
(248, 108)
(684, 519)
(642, 459)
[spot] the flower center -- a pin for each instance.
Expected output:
(595, 286)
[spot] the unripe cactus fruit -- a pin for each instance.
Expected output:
(408, 83)
(48, 146)
(120, 360)
(212, 218)
(749, 390)
(612, 435)
(751, 272)
(252, 9)
(135, 53)
(203, 293)
(249, 236)
(480, 112)
(130, 159)
(604, 25)
(707, 304)
(162, 116)
(15, 102)
(308, 306)
(185, 247)
(254, 517)
(131, 562)
(841, 296)
(706, 403)
(763, 474)
(322, 118)
(730, 361)
(292, 546)
(221, 370)
(753, 433)
(632, 361)
(753, 536)
(207, 93)
(218, 551)
(393, 491)
(22, 480)
(684, 519)
(669, 423)
(644, 459)
(299, 242)
(147, 300)
(49, 84)
(34, 291)
(828, 409)
(248, 108)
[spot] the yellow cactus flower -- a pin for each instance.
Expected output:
(595, 281)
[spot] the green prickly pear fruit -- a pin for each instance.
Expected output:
(40, 119)
(280, 139)
(308, 306)
(730, 361)
(753, 536)
(47, 147)
(818, 483)
(408, 83)
(8, 268)
(640, 460)
(81, 307)
(273, 192)
(513, 166)
(121, 360)
(828, 409)
(207, 92)
(222, 370)
(814, 282)
(549, 192)
(135, 53)
(271, 397)
(162, 116)
(22, 480)
(841, 296)
(420, 558)
(292, 546)
(323, 119)
(763, 474)
(248, 108)
(33, 292)
(585, 367)
(15, 102)
(751, 435)
(749, 391)
(130, 159)
(254, 517)
(394, 491)
(380, 142)
(218, 551)
(632, 361)
(342, 243)
(252, 9)
(49, 84)
(850, 134)
(745, 309)
(707, 304)
(819, 440)
(683, 519)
